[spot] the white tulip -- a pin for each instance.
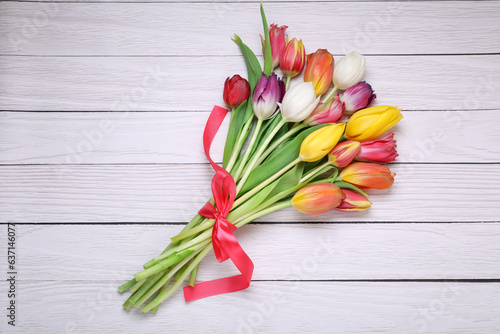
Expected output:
(299, 102)
(349, 70)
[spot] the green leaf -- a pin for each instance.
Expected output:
(268, 57)
(345, 185)
(283, 156)
(253, 66)
(289, 180)
(235, 126)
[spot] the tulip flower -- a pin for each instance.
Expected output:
(368, 175)
(349, 70)
(317, 144)
(317, 199)
(353, 202)
(293, 58)
(368, 124)
(329, 112)
(236, 90)
(381, 150)
(278, 42)
(344, 153)
(266, 96)
(359, 96)
(319, 70)
(299, 102)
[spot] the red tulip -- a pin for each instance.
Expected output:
(236, 90)
(293, 58)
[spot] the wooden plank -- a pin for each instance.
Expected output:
(149, 137)
(313, 252)
(173, 193)
(99, 28)
(270, 307)
(174, 84)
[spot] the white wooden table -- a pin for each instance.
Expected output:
(102, 106)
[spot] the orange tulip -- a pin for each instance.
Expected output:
(317, 199)
(319, 70)
(368, 175)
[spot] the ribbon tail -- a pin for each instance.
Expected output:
(229, 284)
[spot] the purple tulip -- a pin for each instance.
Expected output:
(266, 96)
(358, 97)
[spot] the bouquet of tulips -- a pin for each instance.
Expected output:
(307, 148)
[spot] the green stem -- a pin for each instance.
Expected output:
(265, 183)
(239, 144)
(168, 262)
(270, 209)
(164, 280)
(163, 295)
(314, 171)
(127, 285)
(249, 149)
(251, 165)
(192, 276)
(330, 95)
(287, 83)
(197, 229)
(278, 142)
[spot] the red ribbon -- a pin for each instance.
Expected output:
(224, 242)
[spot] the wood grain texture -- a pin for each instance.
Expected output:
(167, 83)
(173, 193)
(65, 159)
(269, 307)
(431, 27)
(100, 137)
(279, 251)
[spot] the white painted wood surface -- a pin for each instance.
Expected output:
(423, 259)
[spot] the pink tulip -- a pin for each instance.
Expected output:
(380, 150)
(353, 202)
(278, 41)
(329, 112)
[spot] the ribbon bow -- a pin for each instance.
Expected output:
(224, 242)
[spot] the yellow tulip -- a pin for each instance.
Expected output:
(368, 124)
(320, 142)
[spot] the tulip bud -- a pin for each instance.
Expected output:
(329, 112)
(266, 96)
(343, 153)
(353, 202)
(380, 150)
(317, 199)
(319, 70)
(293, 58)
(299, 102)
(349, 70)
(358, 97)
(236, 90)
(368, 175)
(368, 124)
(317, 144)
(278, 42)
